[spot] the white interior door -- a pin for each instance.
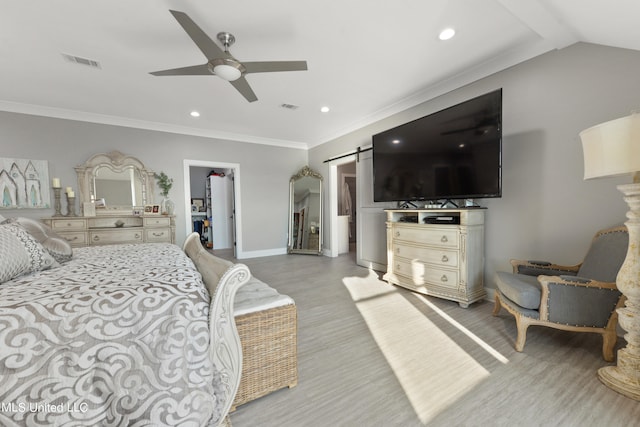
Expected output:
(221, 209)
(371, 243)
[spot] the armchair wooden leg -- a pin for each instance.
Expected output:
(497, 306)
(609, 340)
(522, 324)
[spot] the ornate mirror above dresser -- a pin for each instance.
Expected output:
(124, 184)
(119, 181)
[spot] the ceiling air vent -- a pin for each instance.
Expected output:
(289, 106)
(82, 61)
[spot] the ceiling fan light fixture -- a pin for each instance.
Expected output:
(226, 68)
(227, 72)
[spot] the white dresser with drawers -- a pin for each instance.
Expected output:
(112, 229)
(437, 252)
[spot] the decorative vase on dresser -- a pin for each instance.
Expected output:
(437, 252)
(167, 206)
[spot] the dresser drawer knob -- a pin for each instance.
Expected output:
(96, 238)
(137, 235)
(398, 267)
(445, 258)
(158, 234)
(444, 239)
(71, 239)
(397, 234)
(444, 278)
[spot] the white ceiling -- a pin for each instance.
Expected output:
(367, 59)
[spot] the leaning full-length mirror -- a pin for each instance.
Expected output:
(305, 212)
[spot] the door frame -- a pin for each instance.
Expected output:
(237, 220)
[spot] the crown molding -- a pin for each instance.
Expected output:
(61, 113)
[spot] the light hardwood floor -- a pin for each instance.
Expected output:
(371, 354)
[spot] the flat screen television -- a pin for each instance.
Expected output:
(452, 154)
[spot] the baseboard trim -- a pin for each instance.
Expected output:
(491, 294)
(262, 253)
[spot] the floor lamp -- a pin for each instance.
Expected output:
(613, 148)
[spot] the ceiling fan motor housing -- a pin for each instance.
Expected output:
(227, 39)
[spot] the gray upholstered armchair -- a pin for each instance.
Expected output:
(580, 298)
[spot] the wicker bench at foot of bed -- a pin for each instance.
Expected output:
(269, 352)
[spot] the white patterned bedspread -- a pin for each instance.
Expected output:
(118, 336)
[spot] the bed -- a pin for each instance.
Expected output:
(116, 335)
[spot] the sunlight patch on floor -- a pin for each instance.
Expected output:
(433, 370)
(492, 351)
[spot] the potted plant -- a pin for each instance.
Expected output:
(165, 183)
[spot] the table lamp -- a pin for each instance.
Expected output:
(613, 148)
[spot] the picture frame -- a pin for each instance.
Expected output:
(148, 209)
(16, 175)
(198, 203)
(155, 210)
(138, 210)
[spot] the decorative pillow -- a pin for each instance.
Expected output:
(20, 253)
(57, 246)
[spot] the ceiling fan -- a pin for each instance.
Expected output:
(221, 63)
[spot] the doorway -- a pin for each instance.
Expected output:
(347, 208)
(216, 186)
(370, 246)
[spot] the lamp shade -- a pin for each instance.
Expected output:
(612, 148)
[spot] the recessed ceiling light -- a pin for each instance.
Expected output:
(195, 114)
(396, 141)
(324, 109)
(447, 33)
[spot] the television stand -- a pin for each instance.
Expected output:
(438, 252)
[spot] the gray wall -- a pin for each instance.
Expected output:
(198, 181)
(547, 210)
(265, 170)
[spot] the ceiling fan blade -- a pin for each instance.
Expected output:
(272, 66)
(194, 70)
(208, 47)
(242, 86)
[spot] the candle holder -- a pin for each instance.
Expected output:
(71, 206)
(57, 205)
